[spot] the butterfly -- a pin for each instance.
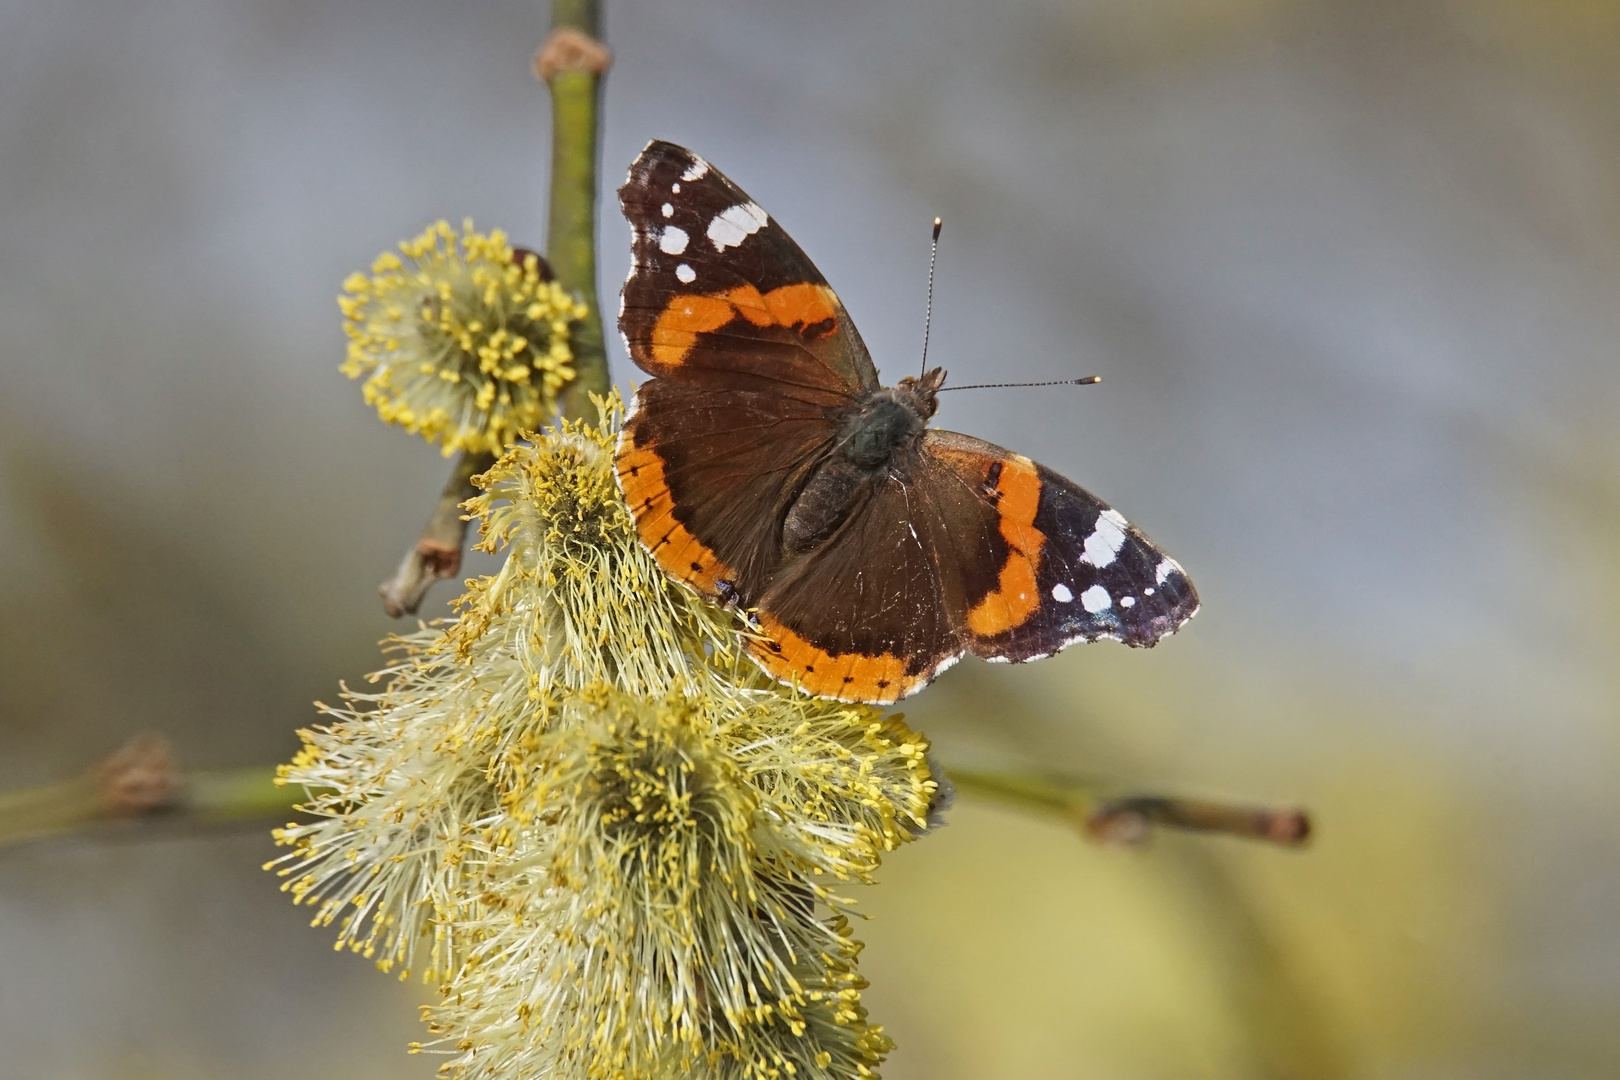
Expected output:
(769, 470)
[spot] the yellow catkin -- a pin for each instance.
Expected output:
(461, 342)
(598, 828)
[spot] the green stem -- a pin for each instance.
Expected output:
(571, 230)
(240, 794)
(140, 782)
(223, 795)
(573, 67)
(253, 792)
(30, 813)
(1068, 801)
(1130, 819)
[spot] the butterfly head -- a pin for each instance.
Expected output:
(921, 391)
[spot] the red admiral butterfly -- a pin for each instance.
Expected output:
(766, 467)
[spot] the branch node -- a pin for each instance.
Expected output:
(140, 778)
(568, 48)
(437, 552)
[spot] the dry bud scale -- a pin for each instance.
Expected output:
(612, 842)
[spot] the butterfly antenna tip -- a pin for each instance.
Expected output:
(928, 315)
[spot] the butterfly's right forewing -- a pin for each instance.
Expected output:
(753, 356)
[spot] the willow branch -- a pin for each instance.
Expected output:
(437, 551)
(1130, 820)
(573, 62)
(142, 781)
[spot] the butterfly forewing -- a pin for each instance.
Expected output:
(719, 294)
(751, 350)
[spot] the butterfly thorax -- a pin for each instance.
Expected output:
(876, 434)
(884, 422)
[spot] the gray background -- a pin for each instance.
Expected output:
(1348, 268)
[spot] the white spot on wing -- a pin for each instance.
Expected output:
(1106, 538)
(1061, 593)
(1165, 569)
(1129, 601)
(673, 241)
(667, 210)
(1148, 591)
(675, 189)
(1096, 599)
(685, 273)
(736, 224)
(695, 170)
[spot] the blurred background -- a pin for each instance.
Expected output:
(1348, 268)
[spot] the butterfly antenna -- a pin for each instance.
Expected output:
(928, 316)
(1089, 380)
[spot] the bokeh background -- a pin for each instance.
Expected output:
(1349, 269)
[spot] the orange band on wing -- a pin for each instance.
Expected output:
(850, 676)
(1016, 596)
(791, 306)
(682, 555)
(804, 304)
(750, 305)
(682, 321)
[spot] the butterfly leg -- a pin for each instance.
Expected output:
(731, 600)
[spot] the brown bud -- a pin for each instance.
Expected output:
(570, 49)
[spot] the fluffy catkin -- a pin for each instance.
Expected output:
(613, 844)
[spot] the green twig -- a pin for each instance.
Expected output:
(141, 781)
(437, 551)
(30, 813)
(1069, 801)
(572, 62)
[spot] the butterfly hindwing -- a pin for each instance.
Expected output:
(703, 470)
(964, 547)
(873, 628)
(1074, 569)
